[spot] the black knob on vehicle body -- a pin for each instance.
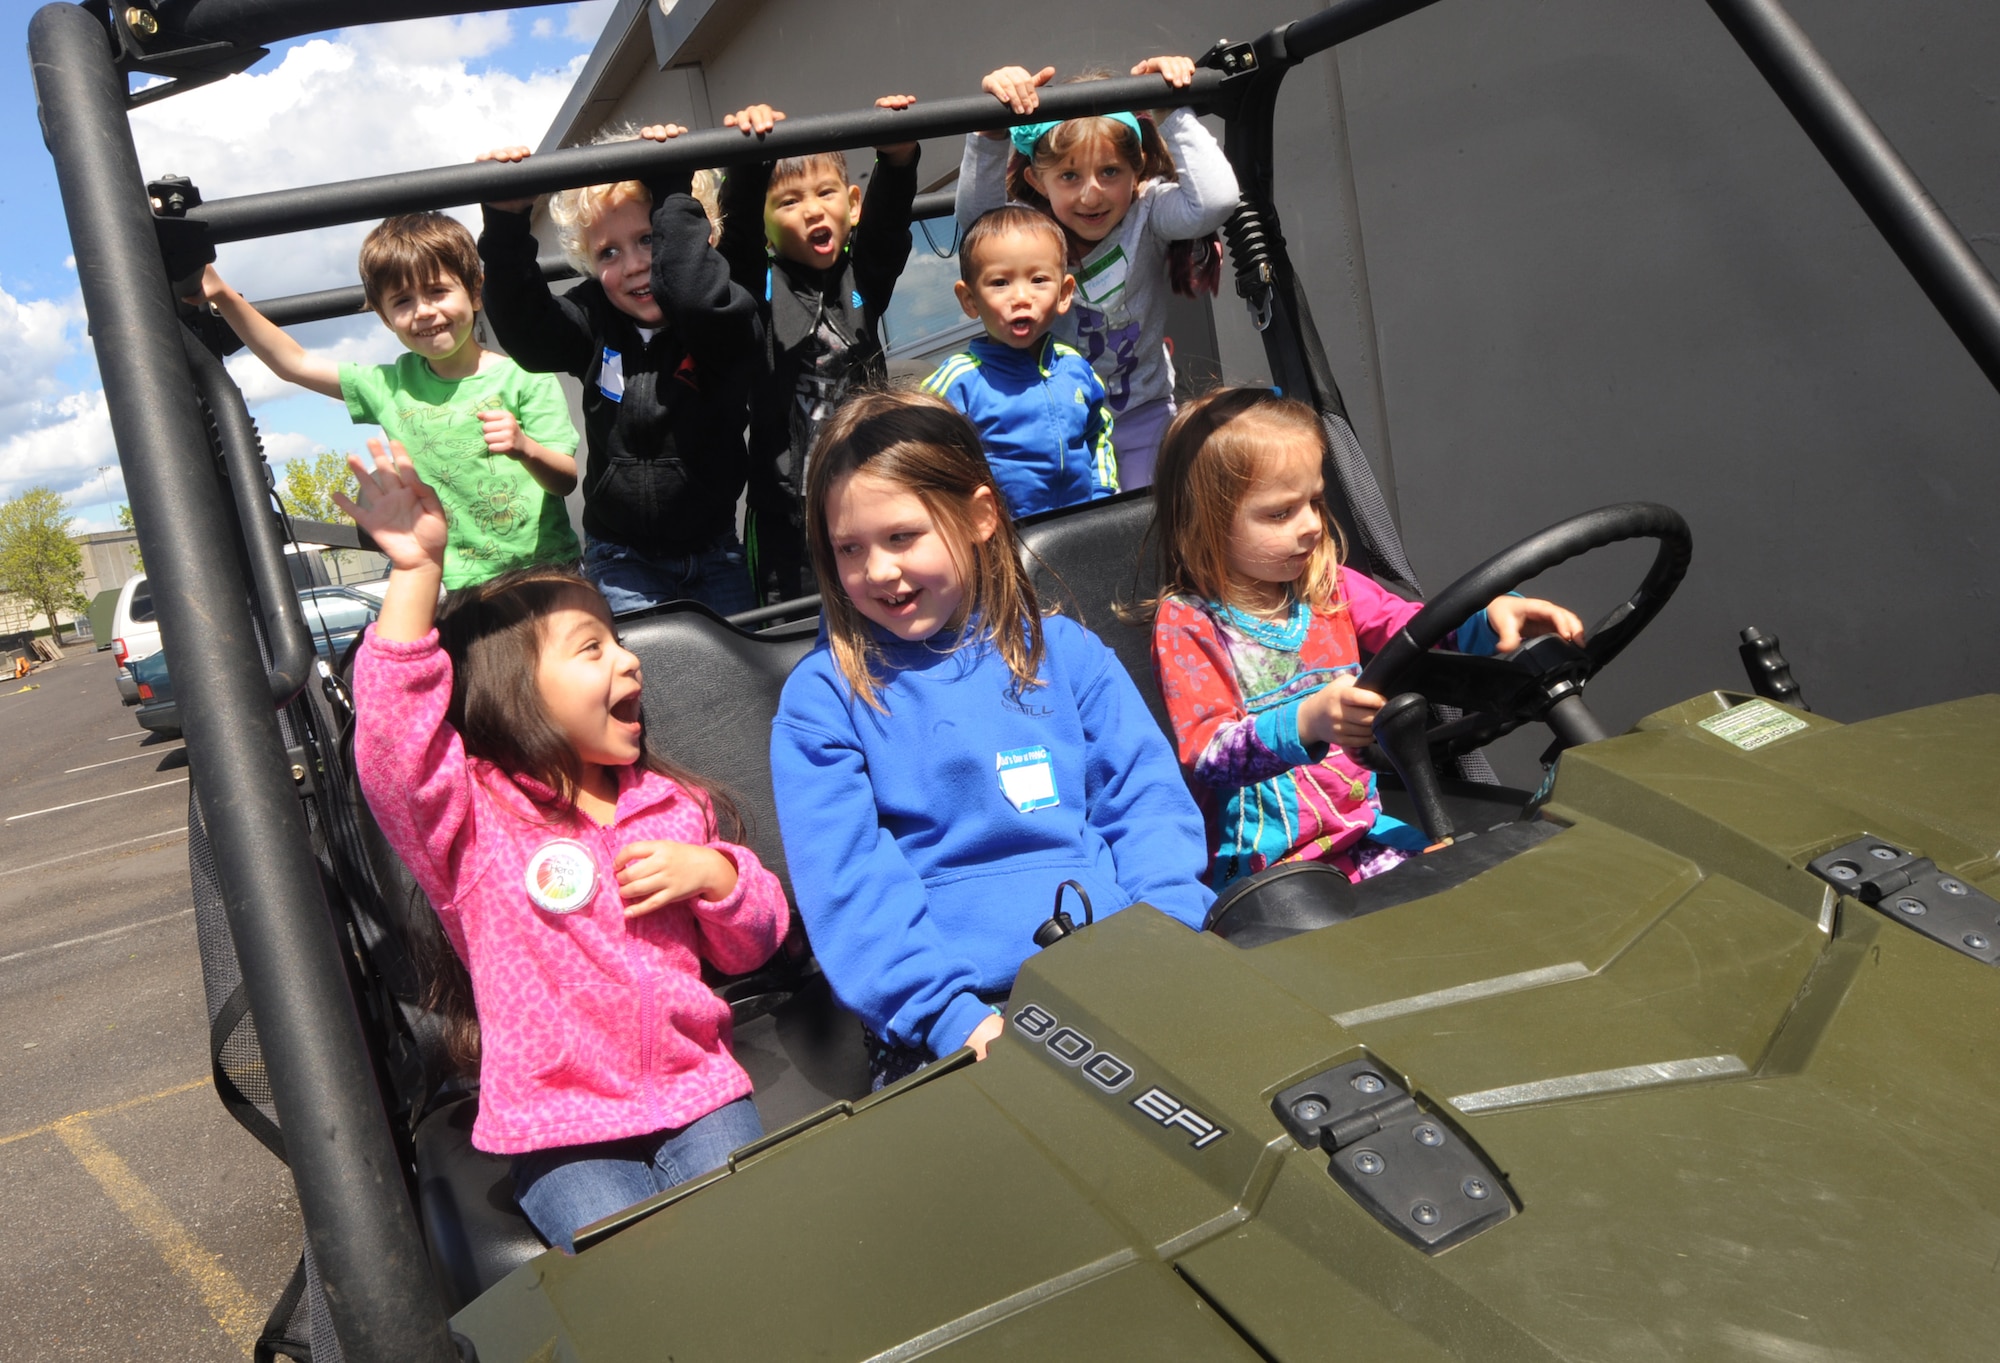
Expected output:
(1770, 675)
(1057, 926)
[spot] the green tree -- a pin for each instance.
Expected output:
(309, 485)
(125, 523)
(39, 562)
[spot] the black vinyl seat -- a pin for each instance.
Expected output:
(711, 693)
(1088, 561)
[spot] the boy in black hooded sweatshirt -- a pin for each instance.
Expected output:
(824, 260)
(665, 343)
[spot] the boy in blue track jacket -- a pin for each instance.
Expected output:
(1038, 405)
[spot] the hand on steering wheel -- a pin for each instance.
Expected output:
(1501, 694)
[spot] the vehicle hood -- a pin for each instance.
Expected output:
(1741, 1116)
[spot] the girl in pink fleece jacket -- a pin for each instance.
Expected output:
(578, 874)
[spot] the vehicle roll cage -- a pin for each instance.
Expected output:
(178, 420)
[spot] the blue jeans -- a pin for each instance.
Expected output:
(571, 1186)
(632, 580)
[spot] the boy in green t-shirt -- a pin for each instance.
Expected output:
(495, 440)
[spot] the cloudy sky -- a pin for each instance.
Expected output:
(331, 107)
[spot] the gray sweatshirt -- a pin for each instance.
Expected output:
(1119, 319)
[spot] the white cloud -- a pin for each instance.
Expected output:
(582, 23)
(37, 336)
(362, 340)
(365, 102)
(62, 449)
(282, 447)
(542, 28)
(429, 42)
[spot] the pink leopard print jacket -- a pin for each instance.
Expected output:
(593, 1026)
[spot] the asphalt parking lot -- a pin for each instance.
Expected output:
(144, 1222)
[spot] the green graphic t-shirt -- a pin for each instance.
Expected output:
(500, 517)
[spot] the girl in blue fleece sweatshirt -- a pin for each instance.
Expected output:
(945, 758)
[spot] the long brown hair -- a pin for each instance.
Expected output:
(921, 443)
(493, 634)
(1194, 267)
(1208, 460)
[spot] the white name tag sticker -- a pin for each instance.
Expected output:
(561, 876)
(611, 375)
(1104, 280)
(1027, 779)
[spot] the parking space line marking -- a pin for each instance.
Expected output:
(93, 766)
(92, 1113)
(110, 846)
(97, 936)
(217, 1287)
(136, 733)
(95, 799)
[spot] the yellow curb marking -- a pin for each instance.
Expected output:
(217, 1286)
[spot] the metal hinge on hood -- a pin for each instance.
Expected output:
(1913, 891)
(1410, 1170)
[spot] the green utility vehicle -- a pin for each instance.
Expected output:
(1680, 1056)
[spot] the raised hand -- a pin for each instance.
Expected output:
(661, 132)
(652, 875)
(397, 508)
(1179, 71)
(515, 153)
(1017, 87)
(753, 120)
(213, 288)
(898, 152)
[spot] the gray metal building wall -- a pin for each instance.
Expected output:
(1566, 252)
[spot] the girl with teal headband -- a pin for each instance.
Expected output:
(1139, 199)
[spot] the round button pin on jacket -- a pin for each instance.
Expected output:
(561, 876)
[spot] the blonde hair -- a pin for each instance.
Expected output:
(922, 444)
(574, 211)
(1208, 460)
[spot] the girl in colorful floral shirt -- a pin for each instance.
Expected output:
(1258, 635)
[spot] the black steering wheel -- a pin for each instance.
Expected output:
(1498, 695)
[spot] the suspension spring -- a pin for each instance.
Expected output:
(1253, 240)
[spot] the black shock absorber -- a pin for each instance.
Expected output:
(1252, 236)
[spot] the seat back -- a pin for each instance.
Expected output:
(711, 693)
(1087, 560)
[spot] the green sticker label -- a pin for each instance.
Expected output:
(1753, 724)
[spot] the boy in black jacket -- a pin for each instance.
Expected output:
(824, 260)
(665, 343)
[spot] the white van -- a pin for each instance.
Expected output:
(135, 630)
(135, 633)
